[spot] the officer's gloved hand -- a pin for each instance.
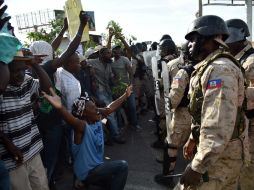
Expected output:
(190, 177)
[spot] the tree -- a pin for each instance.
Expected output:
(118, 29)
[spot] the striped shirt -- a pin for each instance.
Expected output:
(18, 122)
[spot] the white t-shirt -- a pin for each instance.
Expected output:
(69, 87)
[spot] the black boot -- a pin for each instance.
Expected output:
(164, 178)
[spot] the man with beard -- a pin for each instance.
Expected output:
(103, 76)
(216, 98)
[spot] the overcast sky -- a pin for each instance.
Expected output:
(147, 20)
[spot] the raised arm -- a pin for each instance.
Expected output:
(45, 82)
(74, 43)
(68, 117)
(57, 41)
(117, 103)
(129, 70)
(126, 45)
(110, 35)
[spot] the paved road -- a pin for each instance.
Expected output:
(139, 155)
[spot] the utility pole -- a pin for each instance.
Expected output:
(200, 8)
(249, 16)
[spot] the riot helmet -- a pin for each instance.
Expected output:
(139, 46)
(153, 46)
(134, 50)
(209, 25)
(238, 30)
(144, 45)
(165, 36)
(167, 47)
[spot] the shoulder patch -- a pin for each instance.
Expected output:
(216, 83)
(177, 80)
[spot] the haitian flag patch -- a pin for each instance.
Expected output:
(216, 83)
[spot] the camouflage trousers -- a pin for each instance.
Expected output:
(224, 173)
(247, 173)
(179, 129)
(162, 113)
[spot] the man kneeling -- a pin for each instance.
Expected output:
(88, 146)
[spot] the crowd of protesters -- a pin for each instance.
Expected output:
(37, 135)
(57, 111)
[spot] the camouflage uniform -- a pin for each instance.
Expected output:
(179, 129)
(173, 67)
(247, 173)
(218, 152)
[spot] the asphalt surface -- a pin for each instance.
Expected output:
(139, 154)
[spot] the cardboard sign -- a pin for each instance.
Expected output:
(72, 9)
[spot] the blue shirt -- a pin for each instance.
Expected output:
(89, 153)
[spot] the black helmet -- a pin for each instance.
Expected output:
(144, 46)
(238, 30)
(165, 36)
(208, 25)
(169, 44)
(134, 50)
(139, 46)
(154, 46)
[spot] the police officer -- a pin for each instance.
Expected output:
(168, 52)
(241, 48)
(178, 130)
(216, 97)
